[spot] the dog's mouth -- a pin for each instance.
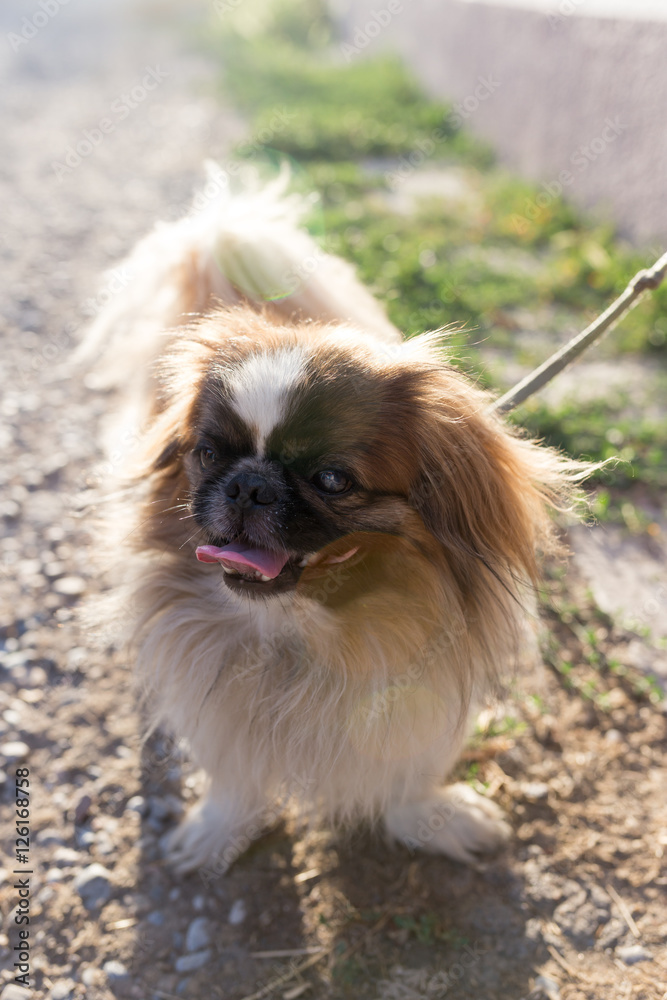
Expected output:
(259, 571)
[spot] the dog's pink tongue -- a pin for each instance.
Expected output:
(237, 555)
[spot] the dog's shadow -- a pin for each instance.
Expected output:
(206, 933)
(429, 927)
(347, 914)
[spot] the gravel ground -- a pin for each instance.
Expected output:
(573, 909)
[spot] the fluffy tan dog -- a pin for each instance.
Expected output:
(329, 538)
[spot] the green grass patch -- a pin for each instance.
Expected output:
(356, 128)
(282, 69)
(457, 264)
(605, 429)
(428, 928)
(512, 274)
(332, 112)
(323, 116)
(580, 645)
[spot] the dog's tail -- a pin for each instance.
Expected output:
(228, 249)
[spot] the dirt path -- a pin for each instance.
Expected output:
(583, 779)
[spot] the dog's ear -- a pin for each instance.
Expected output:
(484, 492)
(159, 447)
(169, 454)
(169, 430)
(165, 440)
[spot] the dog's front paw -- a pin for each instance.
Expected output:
(455, 821)
(210, 838)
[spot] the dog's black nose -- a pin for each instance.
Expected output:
(247, 489)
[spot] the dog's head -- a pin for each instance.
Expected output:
(291, 454)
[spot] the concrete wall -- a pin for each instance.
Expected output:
(560, 95)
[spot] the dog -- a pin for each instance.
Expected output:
(327, 541)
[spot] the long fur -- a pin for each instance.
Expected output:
(357, 706)
(227, 249)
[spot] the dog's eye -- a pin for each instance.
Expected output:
(207, 457)
(331, 481)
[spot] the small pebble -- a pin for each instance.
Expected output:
(115, 971)
(632, 953)
(199, 902)
(14, 992)
(36, 677)
(535, 791)
(64, 857)
(156, 918)
(104, 843)
(49, 837)
(188, 963)
(54, 569)
(137, 804)
(547, 987)
(17, 657)
(89, 976)
(93, 885)
(85, 838)
(77, 657)
(198, 936)
(612, 932)
(16, 750)
(82, 809)
(613, 736)
(62, 989)
(30, 696)
(238, 912)
(70, 586)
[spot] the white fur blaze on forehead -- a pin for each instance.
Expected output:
(261, 387)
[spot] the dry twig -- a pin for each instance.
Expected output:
(624, 910)
(571, 971)
(642, 281)
(285, 977)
